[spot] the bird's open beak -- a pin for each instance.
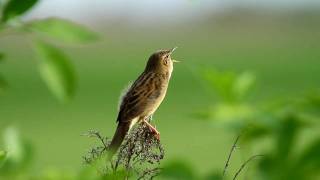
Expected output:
(173, 49)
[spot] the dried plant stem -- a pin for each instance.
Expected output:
(244, 165)
(102, 140)
(234, 146)
(140, 154)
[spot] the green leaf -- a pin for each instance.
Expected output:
(310, 157)
(228, 85)
(287, 134)
(221, 82)
(16, 8)
(243, 84)
(19, 152)
(63, 30)
(56, 71)
(232, 112)
(3, 155)
(255, 133)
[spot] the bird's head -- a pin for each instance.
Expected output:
(161, 61)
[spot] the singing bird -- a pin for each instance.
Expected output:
(144, 96)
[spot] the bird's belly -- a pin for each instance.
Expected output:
(154, 104)
(133, 122)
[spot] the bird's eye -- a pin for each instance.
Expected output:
(165, 60)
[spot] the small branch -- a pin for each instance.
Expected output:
(96, 134)
(102, 140)
(244, 165)
(230, 154)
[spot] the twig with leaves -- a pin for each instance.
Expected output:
(55, 66)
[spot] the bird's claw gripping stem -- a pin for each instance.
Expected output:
(153, 130)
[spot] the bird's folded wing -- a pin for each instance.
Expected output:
(137, 99)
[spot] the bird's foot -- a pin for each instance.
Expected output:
(153, 130)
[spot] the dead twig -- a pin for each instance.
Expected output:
(140, 147)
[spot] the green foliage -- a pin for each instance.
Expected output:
(55, 68)
(229, 86)
(310, 159)
(282, 124)
(56, 71)
(283, 162)
(286, 135)
(63, 30)
(243, 84)
(19, 153)
(3, 155)
(16, 8)
(89, 173)
(233, 90)
(178, 170)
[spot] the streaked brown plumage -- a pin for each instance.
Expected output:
(144, 96)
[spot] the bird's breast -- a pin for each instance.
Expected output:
(158, 89)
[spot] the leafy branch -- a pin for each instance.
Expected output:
(54, 66)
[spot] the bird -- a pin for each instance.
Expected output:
(144, 96)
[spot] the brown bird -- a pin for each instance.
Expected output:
(144, 96)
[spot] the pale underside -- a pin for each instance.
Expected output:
(151, 108)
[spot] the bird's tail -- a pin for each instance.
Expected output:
(119, 135)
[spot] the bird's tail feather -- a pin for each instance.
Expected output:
(118, 137)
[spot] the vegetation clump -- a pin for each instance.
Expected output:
(139, 155)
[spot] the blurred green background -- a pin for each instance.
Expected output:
(278, 43)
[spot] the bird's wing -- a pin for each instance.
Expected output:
(124, 92)
(136, 99)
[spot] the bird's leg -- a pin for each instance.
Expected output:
(152, 129)
(150, 119)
